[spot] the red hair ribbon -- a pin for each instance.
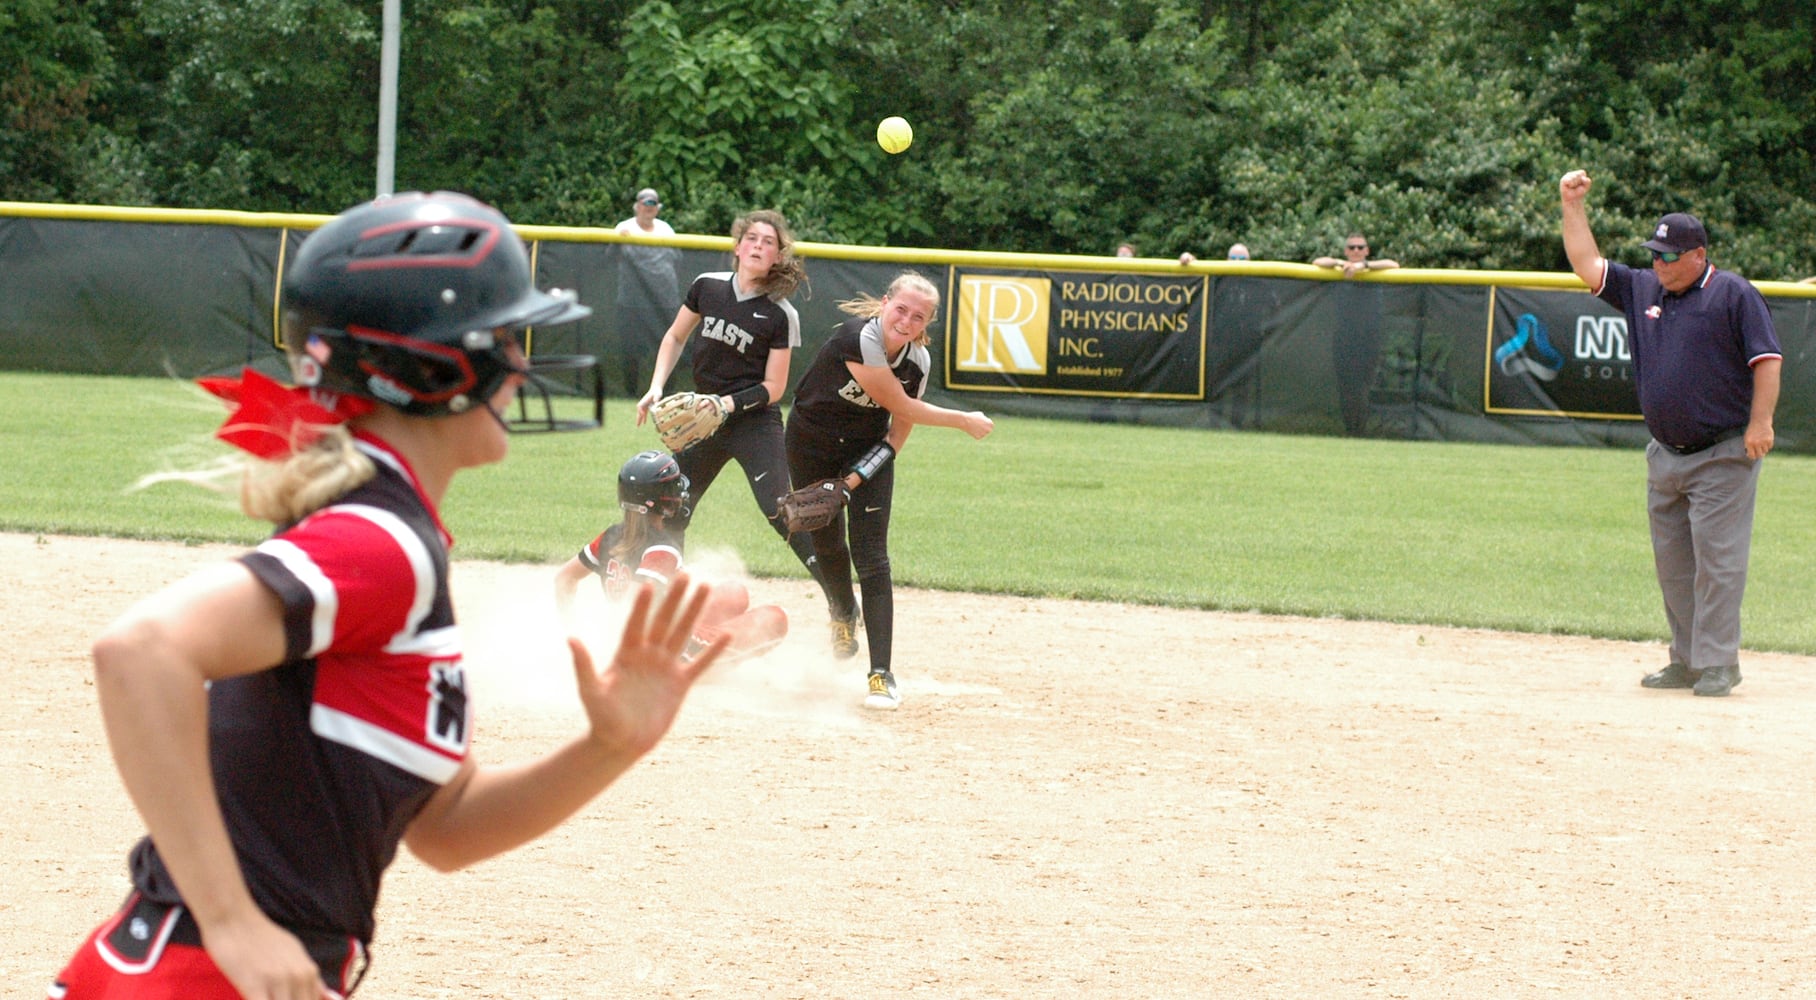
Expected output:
(271, 419)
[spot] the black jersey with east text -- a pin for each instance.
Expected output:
(321, 762)
(830, 401)
(737, 331)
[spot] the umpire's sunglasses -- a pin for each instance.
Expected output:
(1666, 255)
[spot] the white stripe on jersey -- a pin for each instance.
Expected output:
(434, 643)
(787, 307)
(422, 570)
(381, 743)
(659, 579)
(327, 599)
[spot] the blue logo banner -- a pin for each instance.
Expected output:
(1558, 354)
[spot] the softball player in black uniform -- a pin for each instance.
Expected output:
(284, 721)
(748, 332)
(853, 411)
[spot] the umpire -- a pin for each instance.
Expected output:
(1706, 362)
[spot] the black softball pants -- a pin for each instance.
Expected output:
(754, 440)
(858, 538)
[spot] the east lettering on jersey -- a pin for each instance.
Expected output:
(738, 329)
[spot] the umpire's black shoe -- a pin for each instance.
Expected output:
(1716, 682)
(1677, 675)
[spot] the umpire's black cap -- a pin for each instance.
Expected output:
(1678, 232)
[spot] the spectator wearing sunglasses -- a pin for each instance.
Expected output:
(1355, 258)
(1356, 347)
(1706, 366)
(643, 219)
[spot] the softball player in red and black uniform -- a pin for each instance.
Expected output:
(284, 721)
(853, 411)
(643, 548)
(748, 332)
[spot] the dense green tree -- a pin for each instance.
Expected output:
(1362, 122)
(1701, 106)
(736, 104)
(512, 103)
(1064, 127)
(53, 61)
(267, 105)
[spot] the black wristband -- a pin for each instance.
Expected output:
(871, 462)
(754, 398)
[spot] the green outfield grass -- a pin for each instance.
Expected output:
(1529, 539)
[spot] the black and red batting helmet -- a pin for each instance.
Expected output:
(651, 483)
(399, 300)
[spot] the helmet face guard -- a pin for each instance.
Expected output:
(652, 483)
(415, 376)
(411, 300)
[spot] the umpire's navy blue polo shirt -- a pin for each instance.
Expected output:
(1693, 353)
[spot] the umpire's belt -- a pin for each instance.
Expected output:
(1691, 449)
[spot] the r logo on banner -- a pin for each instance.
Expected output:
(1002, 324)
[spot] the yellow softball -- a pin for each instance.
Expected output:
(894, 134)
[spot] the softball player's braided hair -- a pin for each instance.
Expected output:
(788, 273)
(870, 307)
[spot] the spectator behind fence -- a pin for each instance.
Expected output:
(649, 290)
(1356, 346)
(1237, 252)
(643, 220)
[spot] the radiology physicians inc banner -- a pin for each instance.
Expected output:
(1076, 334)
(1558, 354)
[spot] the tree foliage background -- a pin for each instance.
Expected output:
(1439, 129)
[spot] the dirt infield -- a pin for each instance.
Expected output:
(1075, 800)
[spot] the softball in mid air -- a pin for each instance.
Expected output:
(894, 134)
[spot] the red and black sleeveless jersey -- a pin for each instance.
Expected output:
(657, 563)
(829, 400)
(737, 332)
(322, 761)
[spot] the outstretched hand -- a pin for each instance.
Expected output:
(633, 701)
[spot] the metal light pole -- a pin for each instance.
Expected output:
(387, 99)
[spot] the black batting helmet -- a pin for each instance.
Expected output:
(398, 299)
(652, 483)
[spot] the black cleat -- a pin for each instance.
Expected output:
(1716, 682)
(1674, 676)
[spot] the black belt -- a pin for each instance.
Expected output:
(1691, 449)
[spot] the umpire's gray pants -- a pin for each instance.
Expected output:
(1701, 509)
